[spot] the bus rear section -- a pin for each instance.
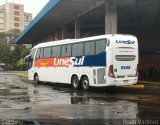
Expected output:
(123, 67)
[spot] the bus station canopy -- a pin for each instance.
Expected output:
(57, 13)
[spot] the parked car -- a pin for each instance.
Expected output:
(1, 69)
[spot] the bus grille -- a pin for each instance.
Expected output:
(101, 76)
(125, 57)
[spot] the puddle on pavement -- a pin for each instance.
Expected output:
(12, 95)
(30, 101)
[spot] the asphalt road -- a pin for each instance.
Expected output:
(32, 104)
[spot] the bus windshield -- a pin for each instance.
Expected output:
(32, 53)
(29, 58)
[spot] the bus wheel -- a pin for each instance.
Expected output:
(85, 83)
(75, 82)
(36, 79)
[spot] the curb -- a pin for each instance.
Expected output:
(134, 86)
(23, 75)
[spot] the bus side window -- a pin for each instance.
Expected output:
(89, 48)
(66, 50)
(41, 53)
(56, 51)
(38, 54)
(33, 51)
(77, 49)
(47, 52)
(100, 46)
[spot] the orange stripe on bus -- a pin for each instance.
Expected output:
(56, 62)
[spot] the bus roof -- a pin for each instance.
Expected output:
(61, 42)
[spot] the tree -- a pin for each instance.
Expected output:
(11, 53)
(5, 54)
(25, 52)
(2, 37)
(20, 63)
(11, 35)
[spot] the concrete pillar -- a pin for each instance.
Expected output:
(77, 28)
(64, 32)
(110, 17)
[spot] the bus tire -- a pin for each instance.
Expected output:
(36, 79)
(85, 83)
(75, 82)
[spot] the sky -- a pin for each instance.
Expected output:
(30, 6)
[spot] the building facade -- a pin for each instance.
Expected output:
(1, 20)
(27, 19)
(12, 16)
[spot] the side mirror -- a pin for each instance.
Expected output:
(27, 59)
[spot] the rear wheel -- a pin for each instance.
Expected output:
(85, 83)
(75, 82)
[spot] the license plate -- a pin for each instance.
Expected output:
(125, 81)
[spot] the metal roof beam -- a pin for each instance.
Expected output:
(80, 2)
(98, 3)
(67, 11)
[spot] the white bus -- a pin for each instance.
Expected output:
(99, 61)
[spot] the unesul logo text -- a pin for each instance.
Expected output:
(125, 41)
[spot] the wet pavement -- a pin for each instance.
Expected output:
(22, 99)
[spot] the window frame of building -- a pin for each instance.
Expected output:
(16, 13)
(16, 7)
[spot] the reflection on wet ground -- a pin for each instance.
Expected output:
(21, 99)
